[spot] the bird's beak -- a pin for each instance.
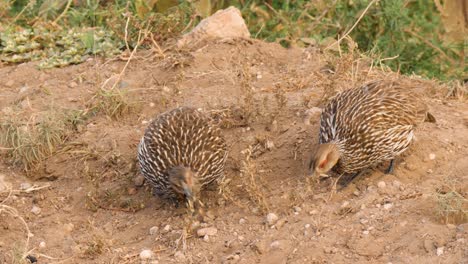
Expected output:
(316, 175)
(187, 191)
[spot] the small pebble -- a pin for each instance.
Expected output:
(42, 244)
(73, 84)
(432, 156)
(69, 227)
(307, 226)
(25, 186)
(166, 229)
(365, 232)
(387, 206)
(146, 254)
(381, 185)
(297, 209)
(271, 218)
(207, 231)
(345, 204)
(313, 212)
(153, 230)
(270, 145)
(139, 181)
(206, 238)
(24, 89)
(152, 104)
(242, 221)
(440, 251)
(280, 223)
(36, 210)
(356, 193)
(275, 244)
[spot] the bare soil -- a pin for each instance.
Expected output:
(265, 98)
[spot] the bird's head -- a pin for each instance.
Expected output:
(184, 182)
(323, 159)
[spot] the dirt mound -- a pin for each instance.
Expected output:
(80, 203)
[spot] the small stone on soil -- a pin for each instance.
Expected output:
(207, 231)
(440, 251)
(42, 244)
(69, 227)
(388, 206)
(275, 244)
(146, 254)
(242, 221)
(432, 156)
(313, 212)
(36, 210)
(381, 184)
(25, 186)
(166, 229)
(271, 218)
(153, 230)
(139, 180)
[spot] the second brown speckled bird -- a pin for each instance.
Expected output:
(365, 126)
(180, 153)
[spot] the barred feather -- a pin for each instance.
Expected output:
(369, 124)
(181, 137)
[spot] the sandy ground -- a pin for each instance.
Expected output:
(82, 205)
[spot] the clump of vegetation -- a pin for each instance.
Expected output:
(113, 102)
(30, 141)
(452, 205)
(407, 36)
(55, 48)
(58, 35)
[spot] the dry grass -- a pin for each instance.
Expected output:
(113, 102)
(250, 182)
(31, 141)
(94, 248)
(229, 117)
(452, 203)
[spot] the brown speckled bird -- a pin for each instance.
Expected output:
(180, 153)
(365, 126)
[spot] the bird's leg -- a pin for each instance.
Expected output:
(390, 167)
(348, 179)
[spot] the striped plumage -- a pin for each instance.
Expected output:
(364, 126)
(180, 153)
